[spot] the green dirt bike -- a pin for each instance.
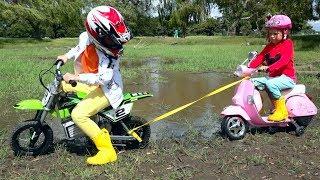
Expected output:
(35, 136)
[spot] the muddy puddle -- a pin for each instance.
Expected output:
(172, 90)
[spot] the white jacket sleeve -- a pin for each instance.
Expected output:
(76, 51)
(103, 76)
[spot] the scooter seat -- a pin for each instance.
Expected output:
(297, 89)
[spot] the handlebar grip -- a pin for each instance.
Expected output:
(73, 83)
(59, 60)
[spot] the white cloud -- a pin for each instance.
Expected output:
(215, 13)
(315, 25)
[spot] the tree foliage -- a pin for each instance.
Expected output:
(237, 12)
(41, 18)
(64, 18)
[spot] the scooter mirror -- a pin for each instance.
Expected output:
(238, 71)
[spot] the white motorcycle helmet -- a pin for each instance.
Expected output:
(107, 29)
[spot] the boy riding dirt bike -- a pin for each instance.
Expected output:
(98, 52)
(97, 74)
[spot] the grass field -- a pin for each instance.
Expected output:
(262, 156)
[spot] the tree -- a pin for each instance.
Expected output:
(40, 18)
(208, 27)
(65, 18)
(255, 12)
(17, 18)
(233, 12)
(300, 11)
(315, 9)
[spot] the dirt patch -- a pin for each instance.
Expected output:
(259, 156)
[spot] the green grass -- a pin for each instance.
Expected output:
(23, 59)
(192, 53)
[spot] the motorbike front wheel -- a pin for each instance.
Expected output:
(31, 138)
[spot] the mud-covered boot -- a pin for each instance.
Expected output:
(106, 152)
(280, 112)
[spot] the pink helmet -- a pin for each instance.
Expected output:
(279, 22)
(105, 22)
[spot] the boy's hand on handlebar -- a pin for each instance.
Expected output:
(67, 77)
(263, 68)
(64, 58)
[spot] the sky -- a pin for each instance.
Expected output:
(215, 13)
(315, 25)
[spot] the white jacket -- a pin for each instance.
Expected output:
(109, 78)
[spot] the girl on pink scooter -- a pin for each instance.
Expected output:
(277, 58)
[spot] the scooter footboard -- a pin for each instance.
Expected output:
(235, 110)
(300, 105)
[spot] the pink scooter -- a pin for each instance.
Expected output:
(247, 103)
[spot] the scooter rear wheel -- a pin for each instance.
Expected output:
(234, 127)
(303, 120)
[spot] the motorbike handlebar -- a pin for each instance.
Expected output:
(73, 83)
(58, 74)
(58, 64)
(59, 61)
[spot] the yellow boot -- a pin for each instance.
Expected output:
(106, 152)
(280, 112)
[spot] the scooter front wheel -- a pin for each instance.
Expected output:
(31, 139)
(234, 127)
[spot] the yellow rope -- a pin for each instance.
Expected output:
(186, 105)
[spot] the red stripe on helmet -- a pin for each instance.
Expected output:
(115, 20)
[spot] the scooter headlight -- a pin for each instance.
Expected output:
(238, 71)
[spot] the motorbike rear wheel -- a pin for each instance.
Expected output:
(31, 139)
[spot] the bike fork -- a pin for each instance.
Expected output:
(40, 116)
(35, 134)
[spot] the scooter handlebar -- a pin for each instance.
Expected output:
(243, 71)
